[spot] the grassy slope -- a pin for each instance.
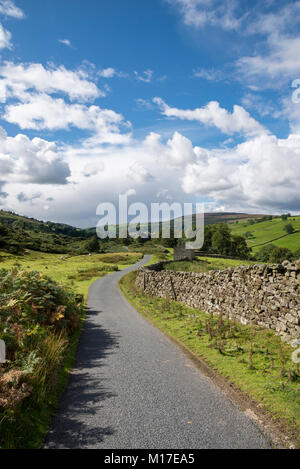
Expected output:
(263, 378)
(266, 231)
(66, 269)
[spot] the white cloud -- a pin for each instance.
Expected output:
(44, 112)
(92, 168)
(275, 59)
(209, 75)
(239, 121)
(66, 42)
(33, 84)
(176, 153)
(144, 104)
(146, 76)
(281, 19)
(279, 65)
(263, 172)
(5, 38)
(8, 8)
(107, 72)
(31, 161)
(138, 173)
(18, 80)
(273, 37)
(198, 13)
(263, 106)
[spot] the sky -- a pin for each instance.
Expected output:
(162, 100)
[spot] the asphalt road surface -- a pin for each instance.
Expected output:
(131, 387)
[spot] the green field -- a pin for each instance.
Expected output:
(267, 231)
(76, 271)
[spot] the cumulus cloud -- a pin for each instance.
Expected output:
(31, 161)
(18, 81)
(176, 153)
(44, 112)
(262, 172)
(33, 86)
(239, 121)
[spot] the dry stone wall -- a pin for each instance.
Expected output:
(266, 295)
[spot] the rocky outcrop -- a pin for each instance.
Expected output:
(266, 295)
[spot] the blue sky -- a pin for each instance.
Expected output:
(182, 100)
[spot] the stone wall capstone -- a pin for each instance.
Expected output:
(265, 295)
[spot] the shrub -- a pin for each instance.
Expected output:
(289, 228)
(296, 255)
(279, 255)
(37, 318)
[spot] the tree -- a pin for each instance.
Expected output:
(265, 252)
(93, 244)
(3, 234)
(289, 228)
(221, 239)
(239, 247)
(279, 255)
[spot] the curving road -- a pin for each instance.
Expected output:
(133, 388)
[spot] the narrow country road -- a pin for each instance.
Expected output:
(131, 387)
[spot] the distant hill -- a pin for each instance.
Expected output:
(31, 224)
(211, 218)
(18, 233)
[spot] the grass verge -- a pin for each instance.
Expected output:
(252, 360)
